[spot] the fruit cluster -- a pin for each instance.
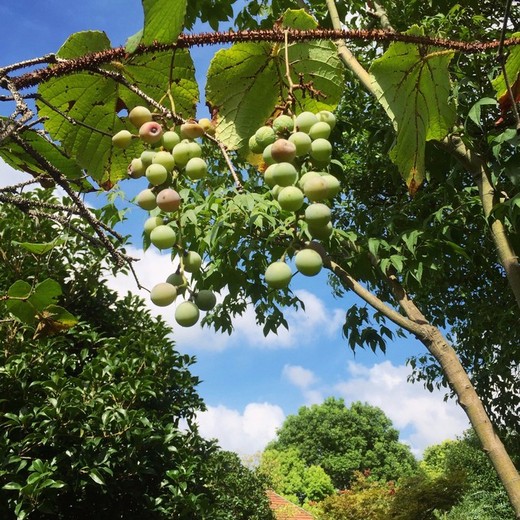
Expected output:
(297, 153)
(170, 156)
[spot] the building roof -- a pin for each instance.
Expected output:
(285, 510)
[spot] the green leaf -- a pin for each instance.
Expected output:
(19, 289)
(163, 22)
(81, 43)
(95, 475)
(512, 70)
(45, 293)
(475, 112)
(298, 19)
(12, 486)
(413, 85)
(54, 319)
(39, 249)
(247, 82)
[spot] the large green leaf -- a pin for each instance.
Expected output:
(163, 22)
(85, 109)
(414, 87)
(512, 70)
(247, 82)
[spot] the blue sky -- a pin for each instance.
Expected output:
(250, 383)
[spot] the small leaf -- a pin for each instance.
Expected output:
(298, 19)
(95, 475)
(39, 248)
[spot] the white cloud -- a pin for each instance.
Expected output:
(424, 416)
(299, 376)
(244, 433)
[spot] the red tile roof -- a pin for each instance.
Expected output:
(285, 510)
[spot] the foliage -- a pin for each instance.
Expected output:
(344, 440)
(290, 477)
(101, 417)
(366, 499)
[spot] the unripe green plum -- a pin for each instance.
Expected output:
(168, 200)
(156, 174)
(278, 275)
(290, 198)
(170, 139)
(146, 199)
(166, 159)
(304, 121)
(139, 115)
(163, 237)
(268, 176)
(152, 223)
(254, 146)
(283, 150)
(321, 150)
(179, 281)
(308, 262)
(194, 149)
(317, 214)
(319, 130)
(136, 169)
(205, 300)
(191, 130)
(320, 232)
(266, 155)
(181, 153)
(265, 136)
(192, 261)
(187, 314)
(196, 168)
(316, 189)
(283, 124)
(285, 174)
(333, 185)
(163, 294)
(147, 157)
(302, 142)
(207, 125)
(122, 139)
(275, 191)
(327, 117)
(151, 132)
(306, 176)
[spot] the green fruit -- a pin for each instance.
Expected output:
(187, 314)
(317, 214)
(151, 132)
(319, 130)
(147, 157)
(122, 139)
(268, 175)
(152, 223)
(168, 200)
(266, 155)
(278, 275)
(285, 174)
(290, 198)
(139, 116)
(136, 169)
(321, 150)
(333, 185)
(265, 136)
(254, 146)
(146, 200)
(283, 124)
(306, 176)
(163, 237)
(283, 150)
(156, 174)
(207, 125)
(178, 280)
(302, 142)
(163, 294)
(191, 130)
(308, 262)
(316, 189)
(170, 139)
(196, 168)
(194, 149)
(320, 232)
(166, 159)
(327, 117)
(184, 151)
(304, 121)
(192, 261)
(205, 300)
(275, 191)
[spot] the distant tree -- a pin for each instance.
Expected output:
(291, 478)
(343, 440)
(99, 421)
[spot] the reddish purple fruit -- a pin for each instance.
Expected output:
(151, 132)
(168, 200)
